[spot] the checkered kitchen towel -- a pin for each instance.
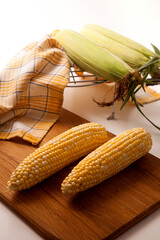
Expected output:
(31, 90)
(147, 96)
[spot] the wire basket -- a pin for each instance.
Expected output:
(88, 79)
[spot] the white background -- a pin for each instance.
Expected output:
(22, 22)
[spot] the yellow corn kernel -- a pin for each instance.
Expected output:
(107, 160)
(56, 154)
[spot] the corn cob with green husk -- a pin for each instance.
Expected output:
(56, 154)
(120, 39)
(107, 160)
(132, 57)
(90, 57)
(133, 53)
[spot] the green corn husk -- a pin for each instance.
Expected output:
(121, 39)
(130, 56)
(90, 57)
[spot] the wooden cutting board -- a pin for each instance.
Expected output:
(103, 212)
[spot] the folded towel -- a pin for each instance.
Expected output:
(31, 90)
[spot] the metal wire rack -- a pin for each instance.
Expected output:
(87, 80)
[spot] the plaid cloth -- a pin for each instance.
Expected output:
(148, 96)
(31, 90)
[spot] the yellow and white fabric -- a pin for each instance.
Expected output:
(31, 90)
(148, 96)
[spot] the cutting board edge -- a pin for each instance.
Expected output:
(134, 221)
(112, 236)
(42, 232)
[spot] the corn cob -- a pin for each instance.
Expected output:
(121, 39)
(56, 154)
(107, 160)
(90, 57)
(127, 54)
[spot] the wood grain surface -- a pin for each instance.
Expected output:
(102, 212)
